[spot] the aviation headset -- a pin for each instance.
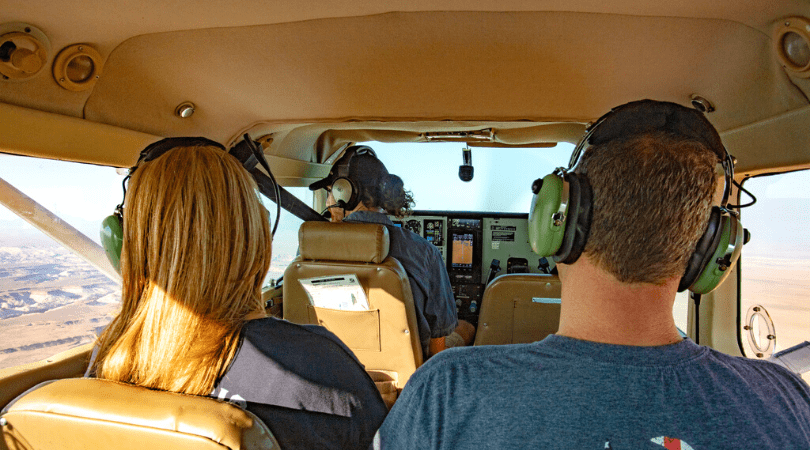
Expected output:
(112, 227)
(345, 192)
(560, 215)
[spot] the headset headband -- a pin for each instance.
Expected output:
(645, 116)
(156, 150)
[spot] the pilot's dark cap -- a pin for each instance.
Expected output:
(357, 159)
(333, 175)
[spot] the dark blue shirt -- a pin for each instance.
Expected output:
(430, 284)
(304, 384)
(563, 393)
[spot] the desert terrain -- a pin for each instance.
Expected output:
(782, 286)
(52, 300)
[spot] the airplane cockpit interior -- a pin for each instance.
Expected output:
(472, 104)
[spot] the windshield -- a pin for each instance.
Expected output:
(501, 182)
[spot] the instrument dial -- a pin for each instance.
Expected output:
(415, 226)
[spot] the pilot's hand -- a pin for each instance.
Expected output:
(467, 331)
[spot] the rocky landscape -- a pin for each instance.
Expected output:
(50, 300)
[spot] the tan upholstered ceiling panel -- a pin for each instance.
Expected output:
(780, 142)
(116, 20)
(105, 25)
(436, 66)
(35, 133)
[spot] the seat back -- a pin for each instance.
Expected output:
(519, 308)
(68, 364)
(384, 338)
(90, 413)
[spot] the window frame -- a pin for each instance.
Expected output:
(740, 262)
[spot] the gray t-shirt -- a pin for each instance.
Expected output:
(430, 284)
(563, 393)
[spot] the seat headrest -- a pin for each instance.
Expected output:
(356, 242)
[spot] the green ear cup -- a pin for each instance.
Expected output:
(723, 258)
(546, 233)
(112, 238)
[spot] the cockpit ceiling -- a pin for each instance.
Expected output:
(114, 21)
(437, 66)
(439, 62)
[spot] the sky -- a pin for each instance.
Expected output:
(83, 194)
(66, 188)
(501, 181)
(780, 220)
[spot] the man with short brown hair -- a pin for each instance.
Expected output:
(643, 233)
(617, 374)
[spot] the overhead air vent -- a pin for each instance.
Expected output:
(23, 51)
(792, 42)
(77, 67)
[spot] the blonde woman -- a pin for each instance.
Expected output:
(196, 248)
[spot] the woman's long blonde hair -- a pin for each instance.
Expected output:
(196, 249)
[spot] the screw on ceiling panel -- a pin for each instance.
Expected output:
(701, 104)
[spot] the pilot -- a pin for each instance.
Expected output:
(196, 249)
(618, 374)
(360, 190)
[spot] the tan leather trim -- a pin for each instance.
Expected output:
(360, 242)
(359, 330)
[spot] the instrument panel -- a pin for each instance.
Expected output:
(476, 248)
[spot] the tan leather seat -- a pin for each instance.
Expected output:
(67, 364)
(89, 413)
(384, 338)
(519, 308)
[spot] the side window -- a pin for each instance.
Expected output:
(680, 311)
(285, 241)
(775, 264)
(51, 300)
